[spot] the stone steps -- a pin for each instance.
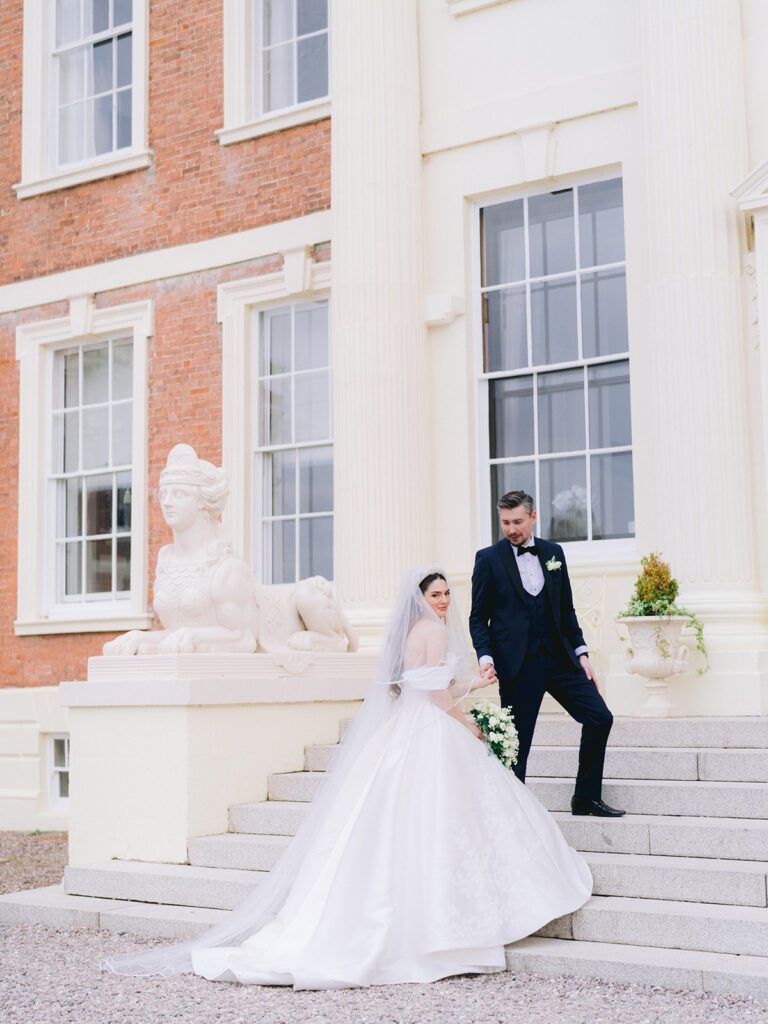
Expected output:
(696, 733)
(674, 763)
(642, 965)
(173, 884)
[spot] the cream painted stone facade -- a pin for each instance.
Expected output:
(437, 108)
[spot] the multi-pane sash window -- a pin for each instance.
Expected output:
(58, 771)
(291, 53)
(556, 360)
(92, 76)
(92, 469)
(294, 455)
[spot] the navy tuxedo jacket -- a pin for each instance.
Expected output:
(499, 620)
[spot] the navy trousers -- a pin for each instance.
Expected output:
(546, 673)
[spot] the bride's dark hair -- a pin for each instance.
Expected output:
(431, 579)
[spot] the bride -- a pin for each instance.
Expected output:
(420, 857)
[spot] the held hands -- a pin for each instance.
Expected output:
(486, 677)
(588, 670)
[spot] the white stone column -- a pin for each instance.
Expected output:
(381, 407)
(696, 501)
(692, 108)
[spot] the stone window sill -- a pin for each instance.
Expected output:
(97, 624)
(275, 122)
(93, 172)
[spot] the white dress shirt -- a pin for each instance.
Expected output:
(532, 578)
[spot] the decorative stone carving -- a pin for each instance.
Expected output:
(656, 652)
(205, 596)
(203, 591)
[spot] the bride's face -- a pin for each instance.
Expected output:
(438, 597)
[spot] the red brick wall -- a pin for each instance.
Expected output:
(195, 188)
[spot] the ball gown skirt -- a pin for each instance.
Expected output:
(430, 858)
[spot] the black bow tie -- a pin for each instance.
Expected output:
(532, 550)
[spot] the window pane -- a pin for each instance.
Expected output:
(73, 578)
(122, 427)
(123, 565)
(276, 411)
(71, 421)
(316, 546)
(123, 12)
(60, 753)
(506, 339)
(278, 21)
(503, 233)
(276, 351)
(124, 115)
(511, 417)
(95, 438)
(552, 239)
(316, 479)
(100, 15)
(98, 566)
(613, 499)
(67, 21)
(563, 506)
(280, 484)
(63, 778)
(311, 16)
(123, 519)
(124, 59)
(102, 125)
(122, 371)
(601, 223)
(98, 516)
(278, 77)
(510, 476)
(312, 67)
(71, 77)
(72, 133)
(72, 379)
(312, 407)
(95, 375)
(604, 313)
(73, 508)
(280, 550)
(561, 411)
(553, 322)
(610, 424)
(311, 341)
(101, 69)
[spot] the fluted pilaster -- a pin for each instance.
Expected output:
(695, 150)
(381, 392)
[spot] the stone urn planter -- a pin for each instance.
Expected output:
(655, 652)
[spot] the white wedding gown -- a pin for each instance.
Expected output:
(429, 858)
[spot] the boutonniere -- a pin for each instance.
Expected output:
(553, 564)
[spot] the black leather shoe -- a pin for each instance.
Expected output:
(583, 805)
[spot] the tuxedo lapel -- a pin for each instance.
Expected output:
(509, 561)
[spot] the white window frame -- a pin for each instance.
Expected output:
(238, 303)
(39, 171)
(241, 118)
(56, 802)
(624, 548)
(38, 611)
(261, 452)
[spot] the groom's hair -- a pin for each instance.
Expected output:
(512, 499)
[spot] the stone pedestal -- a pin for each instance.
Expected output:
(161, 746)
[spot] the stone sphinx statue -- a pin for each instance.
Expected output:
(203, 591)
(205, 595)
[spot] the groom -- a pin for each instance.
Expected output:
(522, 622)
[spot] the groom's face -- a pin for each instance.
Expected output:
(517, 524)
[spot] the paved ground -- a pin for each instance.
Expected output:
(50, 976)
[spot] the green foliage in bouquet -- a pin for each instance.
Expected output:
(654, 594)
(498, 730)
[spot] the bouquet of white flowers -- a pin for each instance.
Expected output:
(498, 730)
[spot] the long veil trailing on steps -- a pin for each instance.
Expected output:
(265, 902)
